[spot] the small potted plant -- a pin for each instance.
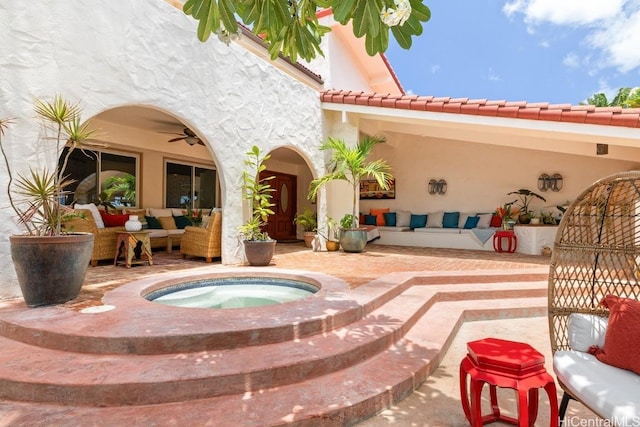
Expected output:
(350, 164)
(524, 199)
(50, 261)
(332, 238)
(258, 246)
(308, 219)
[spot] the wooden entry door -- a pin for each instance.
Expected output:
(280, 225)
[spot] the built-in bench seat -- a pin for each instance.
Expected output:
(436, 230)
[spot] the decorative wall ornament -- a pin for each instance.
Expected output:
(437, 186)
(548, 182)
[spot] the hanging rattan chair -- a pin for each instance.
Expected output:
(596, 253)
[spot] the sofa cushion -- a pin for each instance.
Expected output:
(182, 221)
(450, 219)
(395, 228)
(167, 222)
(153, 223)
(380, 214)
(114, 220)
(586, 330)
(390, 219)
(438, 230)
(611, 392)
(623, 334)
(403, 218)
(484, 220)
(94, 212)
(158, 212)
(417, 221)
(471, 222)
(370, 220)
(434, 219)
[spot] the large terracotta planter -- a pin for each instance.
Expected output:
(259, 252)
(51, 269)
(353, 239)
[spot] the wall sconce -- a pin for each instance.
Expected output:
(550, 182)
(437, 186)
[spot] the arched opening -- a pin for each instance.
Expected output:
(143, 157)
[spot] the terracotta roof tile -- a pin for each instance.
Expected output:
(608, 116)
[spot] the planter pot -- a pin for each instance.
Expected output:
(308, 238)
(332, 246)
(259, 252)
(524, 219)
(51, 269)
(353, 239)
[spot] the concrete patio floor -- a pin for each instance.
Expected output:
(436, 402)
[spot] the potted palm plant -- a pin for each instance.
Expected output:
(50, 261)
(308, 219)
(258, 246)
(350, 164)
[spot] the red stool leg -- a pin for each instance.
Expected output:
(550, 388)
(476, 400)
(533, 406)
(494, 401)
(523, 411)
(464, 397)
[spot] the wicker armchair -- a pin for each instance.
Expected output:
(104, 246)
(203, 242)
(596, 253)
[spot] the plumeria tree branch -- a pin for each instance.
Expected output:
(291, 27)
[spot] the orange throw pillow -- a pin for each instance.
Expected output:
(623, 334)
(379, 213)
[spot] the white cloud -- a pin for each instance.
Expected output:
(435, 69)
(492, 76)
(620, 42)
(565, 12)
(571, 60)
(613, 25)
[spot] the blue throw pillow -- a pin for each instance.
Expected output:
(450, 219)
(418, 221)
(370, 220)
(472, 222)
(390, 219)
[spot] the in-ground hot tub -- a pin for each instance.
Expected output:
(232, 292)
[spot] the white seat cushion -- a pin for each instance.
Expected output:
(386, 228)
(438, 230)
(611, 392)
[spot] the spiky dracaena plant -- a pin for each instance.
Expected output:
(350, 164)
(38, 207)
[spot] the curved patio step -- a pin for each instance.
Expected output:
(32, 373)
(341, 397)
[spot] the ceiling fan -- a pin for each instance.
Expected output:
(187, 136)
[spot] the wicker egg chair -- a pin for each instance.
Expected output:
(596, 253)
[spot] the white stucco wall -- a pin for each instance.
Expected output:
(108, 54)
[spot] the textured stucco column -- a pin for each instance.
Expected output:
(115, 53)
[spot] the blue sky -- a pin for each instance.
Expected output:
(557, 51)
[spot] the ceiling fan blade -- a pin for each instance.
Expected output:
(200, 142)
(176, 139)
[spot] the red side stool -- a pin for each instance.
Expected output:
(505, 235)
(508, 364)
